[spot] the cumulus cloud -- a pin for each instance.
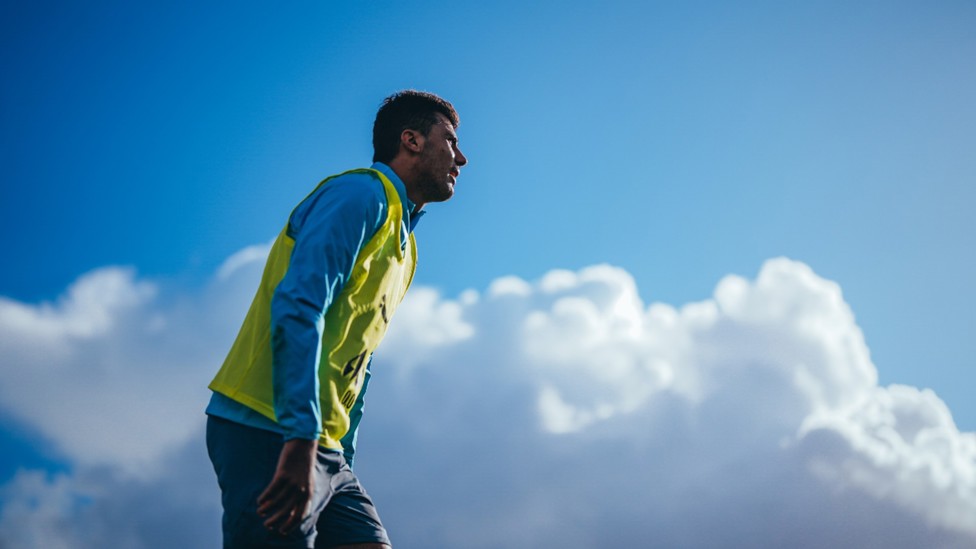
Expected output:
(108, 375)
(243, 259)
(90, 308)
(752, 418)
(106, 507)
(899, 443)
(558, 412)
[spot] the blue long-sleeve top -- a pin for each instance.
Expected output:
(329, 227)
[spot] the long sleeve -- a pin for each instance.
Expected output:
(330, 228)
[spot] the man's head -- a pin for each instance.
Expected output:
(406, 110)
(414, 133)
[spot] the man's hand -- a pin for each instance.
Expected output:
(285, 502)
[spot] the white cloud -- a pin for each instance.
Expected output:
(559, 412)
(426, 323)
(108, 375)
(35, 510)
(899, 443)
(90, 308)
(242, 259)
(744, 385)
(101, 507)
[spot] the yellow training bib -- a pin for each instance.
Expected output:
(354, 324)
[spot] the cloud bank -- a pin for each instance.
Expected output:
(559, 412)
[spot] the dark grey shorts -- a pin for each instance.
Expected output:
(245, 459)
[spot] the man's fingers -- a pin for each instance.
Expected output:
(285, 510)
(280, 490)
(292, 520)
(271, 492)
(287, 518)
(276, 510)
(300, 510)
(278, 519)
(276, 500)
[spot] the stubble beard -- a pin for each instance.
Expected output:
(437, 191)
(435, 184)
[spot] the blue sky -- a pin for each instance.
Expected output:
(679, 143)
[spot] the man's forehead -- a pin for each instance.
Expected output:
(445, 123)
(443, 120)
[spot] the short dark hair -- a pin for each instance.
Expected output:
(406, 110)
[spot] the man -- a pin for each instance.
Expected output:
(287, 402)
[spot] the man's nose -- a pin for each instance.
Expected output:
(459, 157)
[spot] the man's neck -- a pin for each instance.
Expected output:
(404, 169)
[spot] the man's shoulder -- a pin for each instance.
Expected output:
(358, 188)
(349, 195)
(363, 183)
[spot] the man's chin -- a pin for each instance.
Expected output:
(444, 194)
(434, 192)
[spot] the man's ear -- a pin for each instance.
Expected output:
(412, 141)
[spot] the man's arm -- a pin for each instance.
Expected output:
(329, 229)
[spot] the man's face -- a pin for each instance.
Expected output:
(440, 162)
